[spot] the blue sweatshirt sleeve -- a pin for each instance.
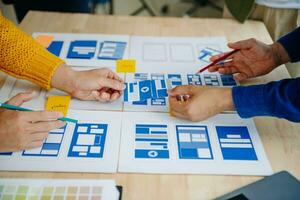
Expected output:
(279, 99)
(291, 43)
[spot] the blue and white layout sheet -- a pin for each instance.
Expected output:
(89, 50)
(91, 145)
(148, 91)
(13, 86)
(224, 144)
(174, 54)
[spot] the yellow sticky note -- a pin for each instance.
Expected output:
(45, 40)
(58, 103)
(126, 66)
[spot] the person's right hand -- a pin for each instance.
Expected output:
(20, 130)
(254, 58)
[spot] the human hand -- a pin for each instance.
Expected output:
(203, 102)
(20, 130)
(99, 84)
(254, 58)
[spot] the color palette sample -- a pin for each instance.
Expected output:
(47, 189)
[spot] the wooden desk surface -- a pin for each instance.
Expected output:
(281, 138)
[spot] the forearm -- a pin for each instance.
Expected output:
(22, 57)
(279, 99)
(291, 44)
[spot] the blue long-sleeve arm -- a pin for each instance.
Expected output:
(279, 99)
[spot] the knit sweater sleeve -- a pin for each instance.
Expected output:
(22, 57)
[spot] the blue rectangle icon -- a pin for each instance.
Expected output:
(194, 79)
(175, 79)
(82, 49)
(228, 80)
(211, 80)
(55, 47)
(193, 142)
(151, 141)
(111, 50)
(51, 145)
(235, 143)
(88, 140)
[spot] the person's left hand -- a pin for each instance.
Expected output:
(99, 84)
(203, 102)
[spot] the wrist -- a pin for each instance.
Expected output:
(280, 56)
(227, 100)
(64, 78)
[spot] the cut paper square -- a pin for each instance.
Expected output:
(58, 103)
(111, 50)
(82, 49)
(126, 66)
(45, 40)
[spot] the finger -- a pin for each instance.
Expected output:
(114, 96)
(104, 96)
(35, 144)
(178, 106)
(215, 57)
(240, 77)
(20, 98)
(38, 116)
(111, 83)
(45, 126)
(181, 90)
(243, 44)
(228, 70)
(39, 136)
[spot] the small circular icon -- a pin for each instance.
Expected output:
(152, 154)
(144, 89)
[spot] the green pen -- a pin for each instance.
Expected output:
(12, 107)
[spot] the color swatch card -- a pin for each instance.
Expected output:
(158, 143)
(58, 189)
(88, 146)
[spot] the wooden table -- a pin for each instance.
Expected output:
(281, 138)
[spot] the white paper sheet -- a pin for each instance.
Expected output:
(172, 54)
(158, 143)
(74, 151)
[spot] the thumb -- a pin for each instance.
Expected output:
(112, 83)
(181, 90)
(243, 44)
(21, 98)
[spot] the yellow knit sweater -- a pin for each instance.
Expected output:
(21, 56)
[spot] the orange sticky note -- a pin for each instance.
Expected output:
(45, 40)
(126, 66)
(58, 103)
